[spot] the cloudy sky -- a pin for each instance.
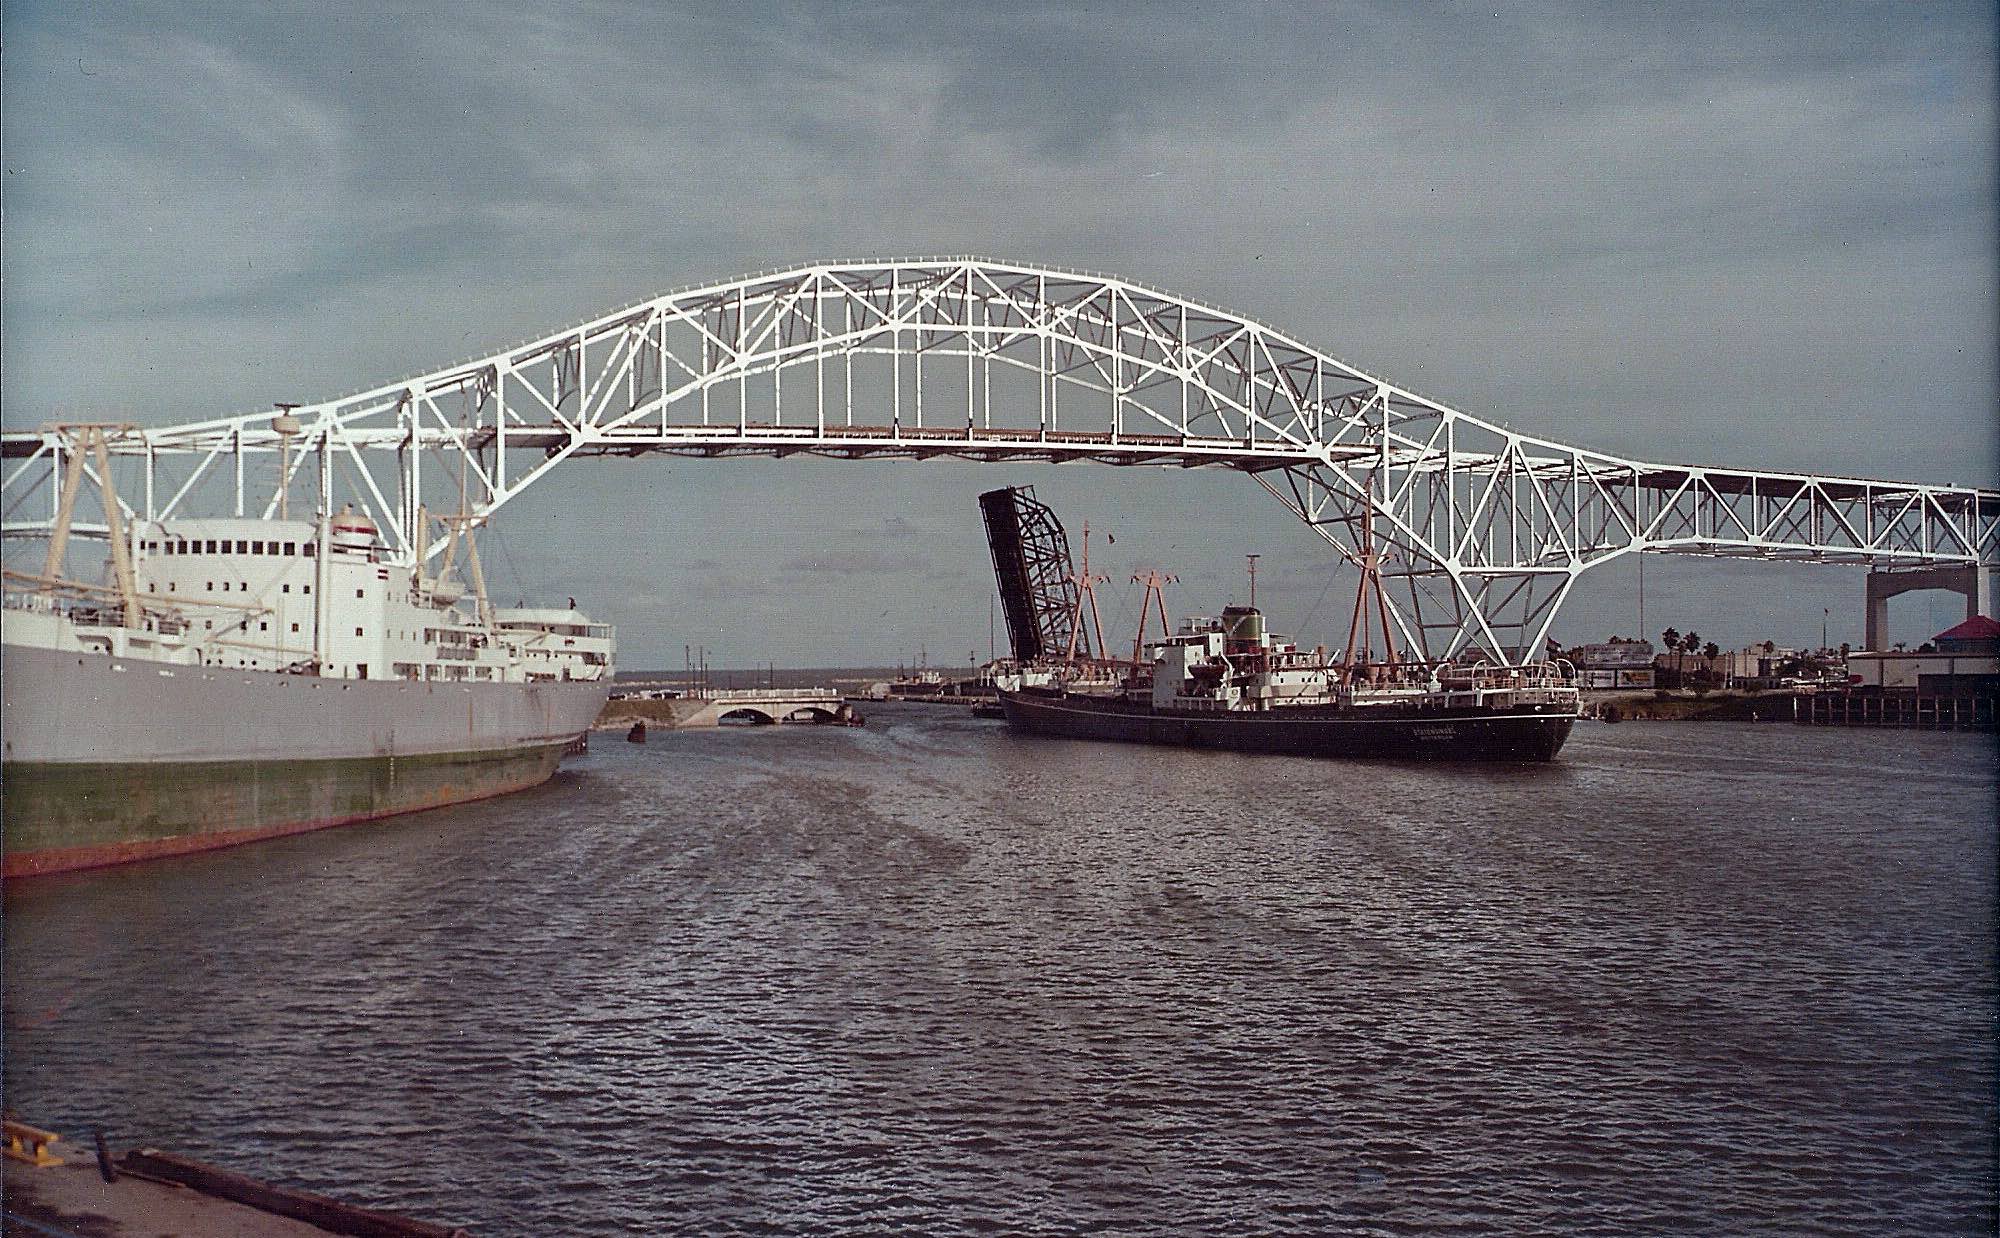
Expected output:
(1761, 239)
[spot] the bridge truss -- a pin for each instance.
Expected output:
(1483, 530)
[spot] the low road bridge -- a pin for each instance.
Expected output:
(1482, 530)
(712, 707)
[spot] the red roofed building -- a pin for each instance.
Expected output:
(1977, 635)
(1960, 661)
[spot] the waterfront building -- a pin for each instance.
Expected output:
(1963, 660)
(1616, 663)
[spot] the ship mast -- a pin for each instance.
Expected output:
(94, 438)
(461, 527)
(1369, 590)
(1086, 592)
(286, 426)
(1156, 592)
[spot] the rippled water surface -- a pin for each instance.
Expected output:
(929, 976)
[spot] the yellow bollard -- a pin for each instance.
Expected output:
(30, 1144)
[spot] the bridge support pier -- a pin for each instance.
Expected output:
(1972, 581)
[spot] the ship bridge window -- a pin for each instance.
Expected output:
(243, 547)
(211, 546)
(309, 550)
(288, 586)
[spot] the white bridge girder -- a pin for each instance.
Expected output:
(1485, 528)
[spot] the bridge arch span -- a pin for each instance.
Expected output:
(1482, 529)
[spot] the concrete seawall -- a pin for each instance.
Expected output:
(1713, 707)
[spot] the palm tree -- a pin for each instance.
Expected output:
(1690, 642)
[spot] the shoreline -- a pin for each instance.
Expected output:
(1671, 705)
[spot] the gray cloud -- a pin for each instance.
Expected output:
(850, 563)
(1755, 237)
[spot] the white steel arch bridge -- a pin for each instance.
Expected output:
(1481, 530)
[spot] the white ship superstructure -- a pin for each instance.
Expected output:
(1235, 664)
(240, 678)
(323, 599)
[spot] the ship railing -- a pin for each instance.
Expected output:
(1559, 673)
(90, 606)
(762, 694)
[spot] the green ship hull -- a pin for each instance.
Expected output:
(62, 816)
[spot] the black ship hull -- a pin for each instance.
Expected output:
(1385, 731)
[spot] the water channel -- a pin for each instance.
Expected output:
(930, 976)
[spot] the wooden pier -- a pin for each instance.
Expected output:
(151, 1194)
(1896, 709)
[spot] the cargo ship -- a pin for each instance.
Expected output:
(1229, 683)
(241, 679)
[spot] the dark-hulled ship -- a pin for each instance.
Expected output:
(1228, 683)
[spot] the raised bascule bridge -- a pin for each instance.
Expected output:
(1481, 531)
